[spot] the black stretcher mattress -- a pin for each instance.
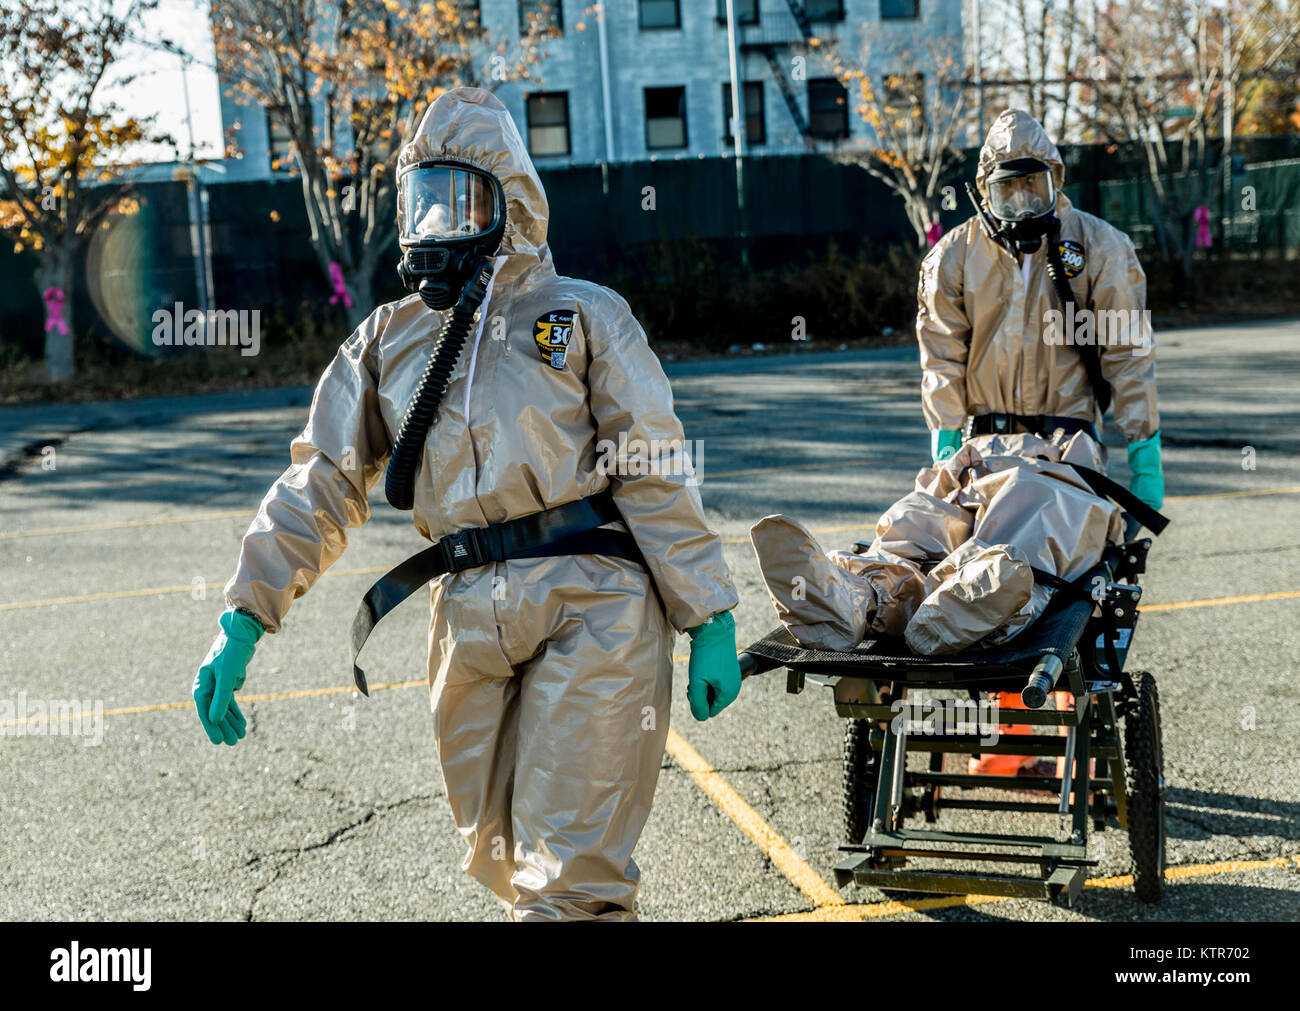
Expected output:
(1057, 631)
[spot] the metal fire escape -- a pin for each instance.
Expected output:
(773, 40)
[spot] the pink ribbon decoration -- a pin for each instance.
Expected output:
(54, 299)
(1202, 216)
(340, 288)
(934, 233)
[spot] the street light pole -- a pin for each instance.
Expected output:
(979, 69)
(198, 201)
(1229, 100)
(737, 131)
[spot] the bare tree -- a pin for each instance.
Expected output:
(1167, 87)
(915, 120)
(1042, 50)
(61, 141)
(347, 81)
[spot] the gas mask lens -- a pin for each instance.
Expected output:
(1020, 197)
(441, 203)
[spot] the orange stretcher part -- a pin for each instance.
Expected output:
(1010, 765)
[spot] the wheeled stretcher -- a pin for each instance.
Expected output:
(893, 834)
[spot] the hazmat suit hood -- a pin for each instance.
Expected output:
(471, 125)
(1016, 134)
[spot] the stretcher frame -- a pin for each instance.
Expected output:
(1073, 647)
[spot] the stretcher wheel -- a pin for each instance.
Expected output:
(1145, 783)
(858, 780)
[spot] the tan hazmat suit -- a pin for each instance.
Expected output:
(550, 678)
(951, 564)
(982, 313)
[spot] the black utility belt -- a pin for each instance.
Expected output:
(569, 529)
(1035, 424)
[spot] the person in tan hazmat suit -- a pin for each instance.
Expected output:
(999, 352)
(951, 566)
(562, 568)
(995, 328)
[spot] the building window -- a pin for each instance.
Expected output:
(900, 10)
(660, 14)
(471, 17)
(828, 109)
(280, 144)
(746, 11)
(548, 123)
(904, 93)
(547, 14)
(752, 102)
(824, 10)
(665, 117)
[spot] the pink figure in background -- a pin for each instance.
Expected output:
(54, 299)
(934, 233)
(1203, 238)
(340, 287)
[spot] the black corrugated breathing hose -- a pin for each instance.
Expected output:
(399, 485)
(1065, 295)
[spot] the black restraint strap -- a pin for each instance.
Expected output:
(1109, 631)
(1130, 503)
(569, 529)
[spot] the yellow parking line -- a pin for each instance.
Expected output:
(877, 910)
(328, 574)
(824, 465)
(150, 591)
(1293, 489)
(372, 570)
(122, 524)
(1213, 601)
(162, 707)
(780, 852)
(828, 904)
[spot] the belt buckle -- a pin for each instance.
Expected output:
(461, 550)
(1001, 424)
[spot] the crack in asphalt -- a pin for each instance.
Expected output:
(291, 854)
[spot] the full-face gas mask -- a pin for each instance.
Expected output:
(452, 216)
(1022, 199)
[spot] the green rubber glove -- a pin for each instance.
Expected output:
(714, 679)
(944, 443)
(222, 674)
(1148, 481)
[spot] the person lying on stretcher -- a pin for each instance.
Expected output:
(951, 565)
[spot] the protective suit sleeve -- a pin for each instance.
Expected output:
(943, 332)
(1120, 287)
(300, 527)
(632, 404)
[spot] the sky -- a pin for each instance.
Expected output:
(158, 89)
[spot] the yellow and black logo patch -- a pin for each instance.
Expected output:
(1072, 257)
(553, 331)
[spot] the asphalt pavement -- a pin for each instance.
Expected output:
(119, 523)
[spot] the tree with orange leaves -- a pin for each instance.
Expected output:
(61, 141)
(915, 120)
(347, 81)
